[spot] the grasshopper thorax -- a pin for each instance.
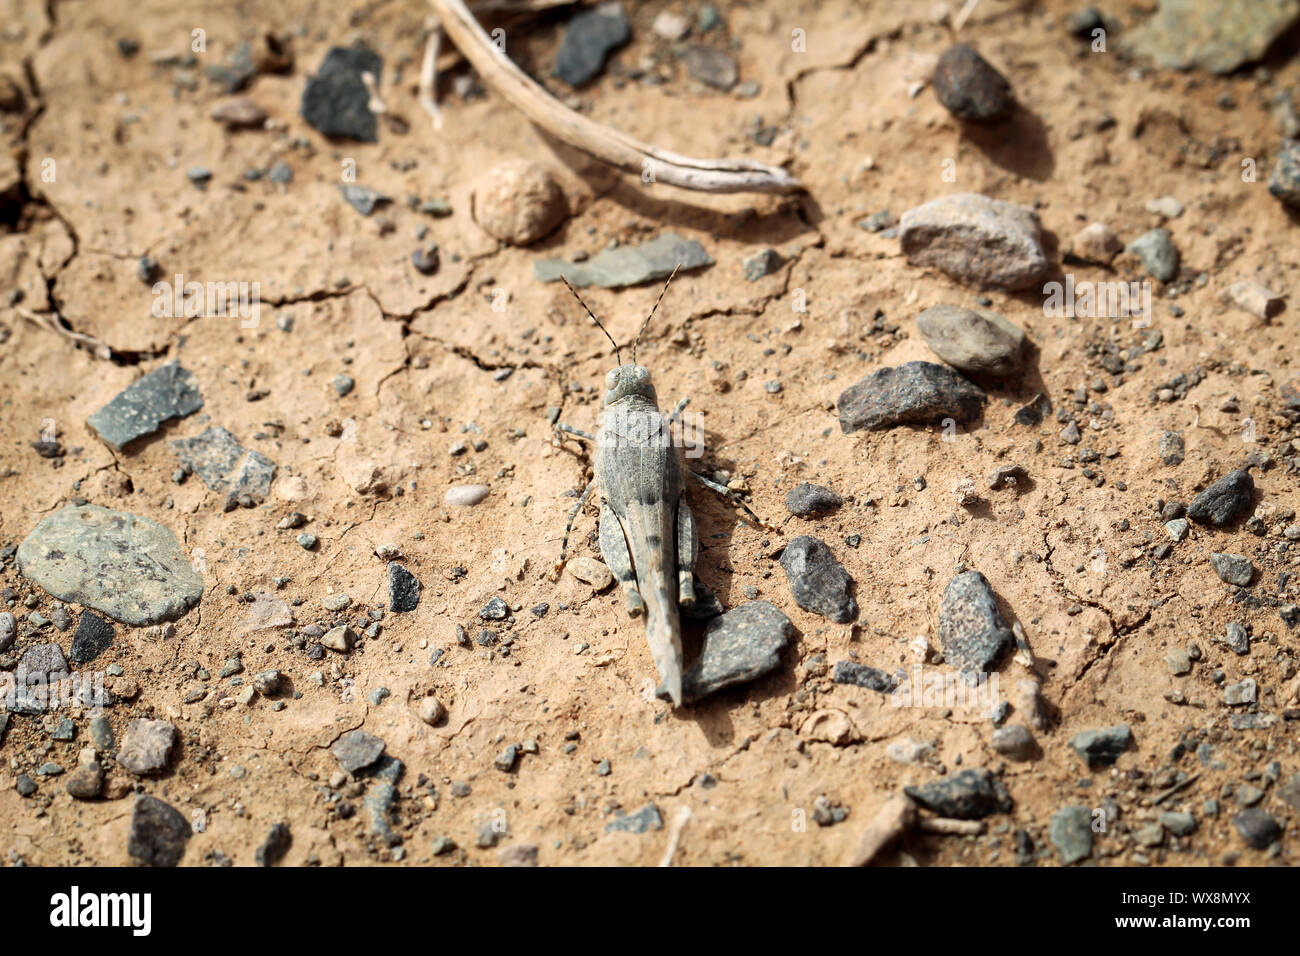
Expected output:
(627, 381)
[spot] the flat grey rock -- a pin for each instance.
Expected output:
(1224, 500)
(1101, 747)
(969, 795)
(357, 749)
(627, 265)
(139, 409)
(969, 87)
(976, 341)
(808, 500)
(158, 832)
(711, 66)
(1236, 638)
(642, 821)
(403, 589)
(362, 198)
(1070, 831)
(1232, 568)
(94, 636)
(1284, 179)
(335, 101)
(861, 675)
(818, 582)
(976, 240)
(224, 465)
(1171, 448)
(1214, 35)
(739, 646)
(1158, 253)
(127, 567)
(146, 745)
(589, 39)
(1257, 827)
(1014, 741)
(972, 631)
(915, 393)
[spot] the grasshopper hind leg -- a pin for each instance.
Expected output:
(688, 546)
(613, 548)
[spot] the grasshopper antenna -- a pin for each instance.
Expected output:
(617, 355)
(644, 324)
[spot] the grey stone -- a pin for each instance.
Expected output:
(465, 496)
(1015, 742)
(1232, 568)
(138, 410)
(739, 646)
(915, 393)
(969, 87)
(762, 263)
(818, 582)
(146, 745)
(1177, 529)
(344, 384)
(1179, 661)
(357, 749)
(8, 630)
(225, 465)
(1244, 691)
(379, 808)
(362, 198)
(1171, 448)
(506, 760)
(1236, 638)
(1101, 747)
(1178, 823)
(1284, 180)
(128, 567)
(1224, 500)
(642, 821)
(1214, 35)
(711, 66)
(101, 734)
(94, 636)
(335, 101)
(403, 589)
(158, 832)
(972, 631)
(1071, 833)
(975, 239)
(86, 782)
(275, 846)
(807, 500)
(969, 795)
(627, 265)
(976, 341)
(1158, 253)
(860, 675)
(494, 610)
(588, 40)
(1257, 827)
(518, 854)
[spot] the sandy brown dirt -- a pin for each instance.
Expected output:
(423, 352)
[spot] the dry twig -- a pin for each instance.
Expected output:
(608, 145)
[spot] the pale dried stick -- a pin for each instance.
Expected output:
(96, 347)
(429, 72)
(675, 835)
(608, 145)
(896, 817)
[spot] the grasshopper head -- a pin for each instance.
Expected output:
(628, 380)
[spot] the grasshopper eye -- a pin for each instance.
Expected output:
(642, 373)
(612, 378)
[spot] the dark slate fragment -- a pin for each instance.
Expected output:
(808, 500)
(969, 795)
(403, 589)
(860, 675)
(225, 465)
(362, 198)
(357, 749)
(494, 610)
(739, 646)
(1031, 413)
(1225, 500)
(970, 88)
(916, 393)
(336, 102)
(276, 846)
(642, 821)
(94, 636)
(1101, 747)
(158, 832)
(628, 264)
(819, 582)
(590, 37)
(1284, 180)
(1257, 827)
(138, 410)
(972, 631)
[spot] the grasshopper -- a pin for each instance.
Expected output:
(647, 532)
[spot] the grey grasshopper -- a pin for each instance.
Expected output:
(647, 532)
